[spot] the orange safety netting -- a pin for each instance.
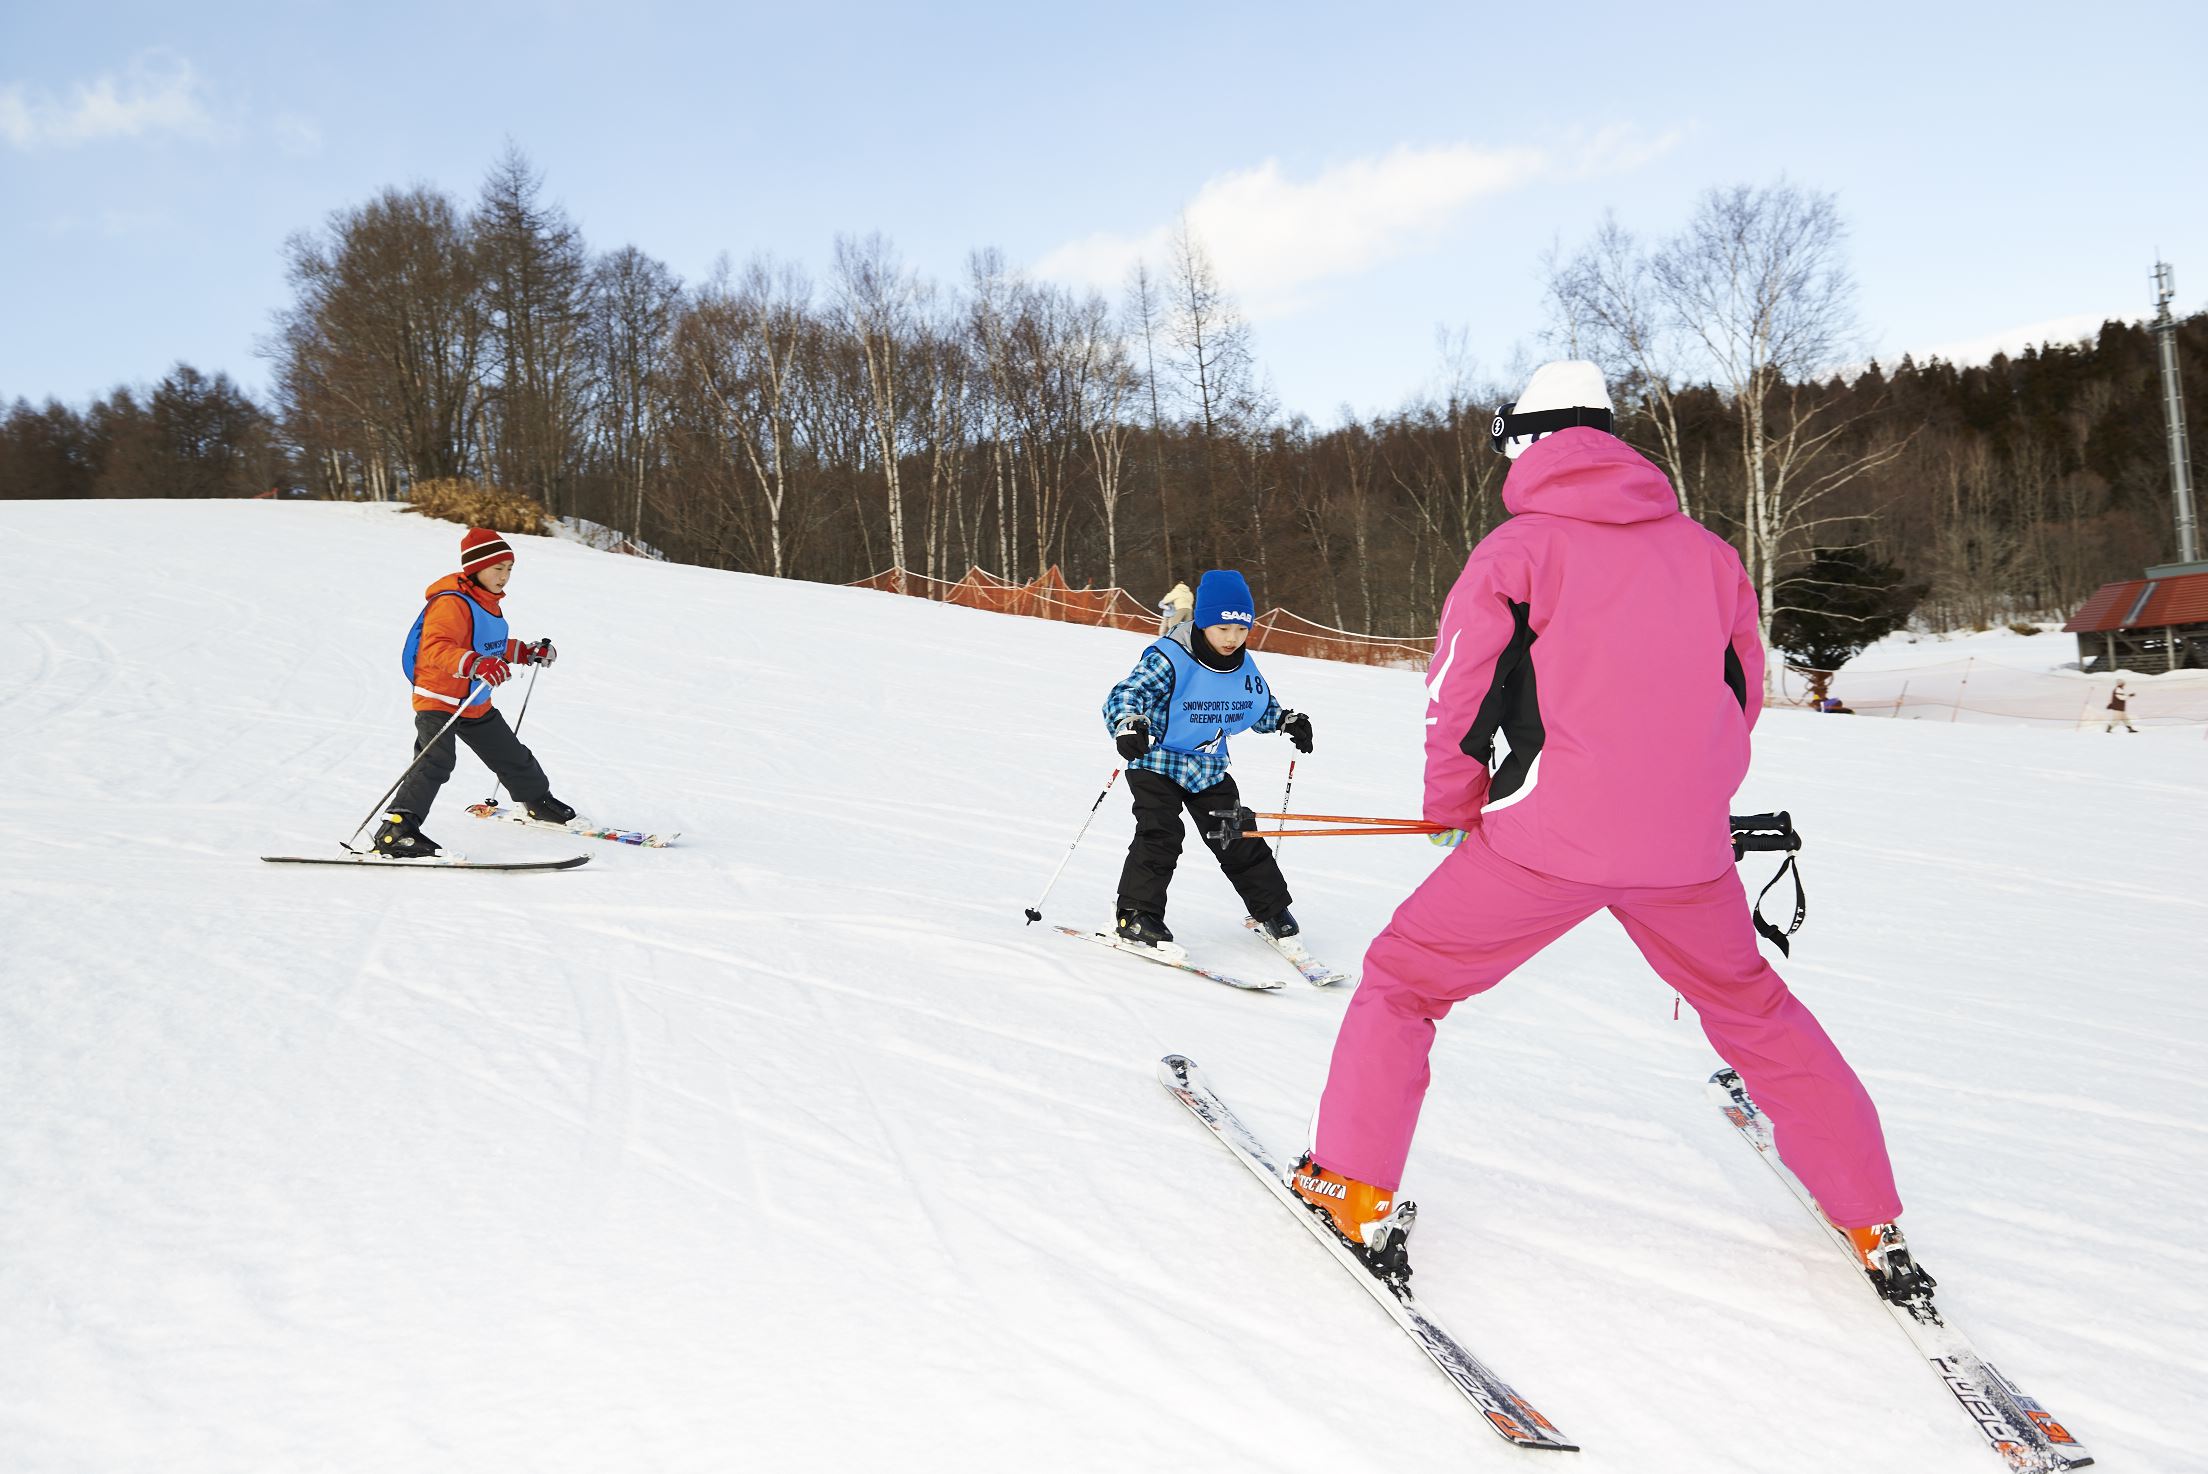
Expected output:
(1048, 596)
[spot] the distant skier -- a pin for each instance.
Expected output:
(1194, 687)
(2119, 700)
(459, 647)
(1623, 758)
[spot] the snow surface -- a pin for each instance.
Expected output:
(791, 1147)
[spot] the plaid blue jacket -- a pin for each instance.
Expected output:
(1144, 693)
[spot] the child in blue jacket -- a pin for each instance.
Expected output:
(1194, 687)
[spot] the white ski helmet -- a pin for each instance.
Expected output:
(1560, 395)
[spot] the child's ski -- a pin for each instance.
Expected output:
(1314, 972)
(428, 862)
(1509, 1414)
(2012, 1423)
(580, 827)
(1175, 957)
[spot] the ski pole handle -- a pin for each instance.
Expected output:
(1035, 912)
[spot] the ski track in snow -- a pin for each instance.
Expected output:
(794, 1145)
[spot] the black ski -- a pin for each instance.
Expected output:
(433, 862)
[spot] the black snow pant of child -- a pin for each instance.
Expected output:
(1248, 863)
(490, 739)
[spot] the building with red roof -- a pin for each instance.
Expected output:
(2155, 623)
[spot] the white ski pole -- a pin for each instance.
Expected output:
(347, 842)
(1035, 912)
(519, 717)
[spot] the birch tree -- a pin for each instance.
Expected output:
(1757, 278)
(877, 300)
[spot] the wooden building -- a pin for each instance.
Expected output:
(2150, 624)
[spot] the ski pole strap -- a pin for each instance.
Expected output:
(1773, 832)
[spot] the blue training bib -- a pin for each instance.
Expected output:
(490, 633)
(1207, 706)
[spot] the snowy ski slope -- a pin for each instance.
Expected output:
(791, 1147)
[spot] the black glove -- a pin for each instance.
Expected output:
(1233, 824)
(1298, 728)
(1133, 737)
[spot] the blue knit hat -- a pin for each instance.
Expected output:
(1223, 597)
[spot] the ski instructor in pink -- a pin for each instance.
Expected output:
(1611, 644)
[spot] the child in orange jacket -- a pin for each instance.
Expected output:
(457, 652)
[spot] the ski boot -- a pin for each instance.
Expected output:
(401, 838)
(1370, 1220)
(1280, 928)
(1885, 1257)
(1143, 929)
(549, 810)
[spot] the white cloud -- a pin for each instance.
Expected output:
(1271, 235)
(299, 137)
(2012, 341)
(156, 93)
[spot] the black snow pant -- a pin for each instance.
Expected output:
(1248, 863)
(490, 739)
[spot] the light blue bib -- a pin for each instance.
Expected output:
(1208, 706)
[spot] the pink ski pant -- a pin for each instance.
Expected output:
(1479, 916)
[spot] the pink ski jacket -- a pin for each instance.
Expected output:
(1611, 644)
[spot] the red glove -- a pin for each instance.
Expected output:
(539, 653)
(488, 669)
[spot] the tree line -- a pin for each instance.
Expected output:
(765, 420)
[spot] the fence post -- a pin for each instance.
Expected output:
(1956, 710)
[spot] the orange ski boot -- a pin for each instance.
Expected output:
(1885, 1257)
(1369, 1219)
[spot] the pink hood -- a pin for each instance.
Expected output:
(1601, 650)
(1590, 475)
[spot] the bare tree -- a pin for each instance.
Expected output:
(740, 348)
(1144, 308)
(1210, 355)
(1758, 279)
(877, 302)
(379, 356)
(1112, 382)
(536, 289)
(1611, 309)
(633, 305)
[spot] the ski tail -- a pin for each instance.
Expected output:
(2012, 1423)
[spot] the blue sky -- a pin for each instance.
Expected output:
(1365, 176)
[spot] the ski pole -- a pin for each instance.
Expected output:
(1278, 834)
(1342, 819)
(1035, 912)
(1287, 789)
(523, 716)
(347, 842)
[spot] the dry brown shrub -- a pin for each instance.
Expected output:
(472, 504)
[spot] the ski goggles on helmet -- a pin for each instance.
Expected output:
(1509, 426)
